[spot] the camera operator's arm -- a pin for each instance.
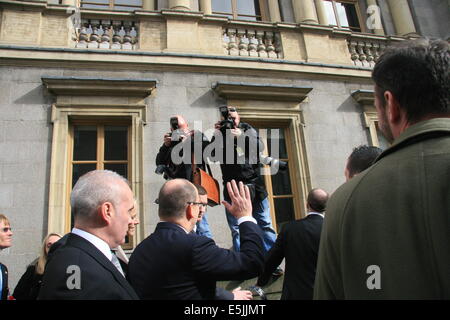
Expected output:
(163, 156)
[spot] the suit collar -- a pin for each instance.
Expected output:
(418, 132)
(84, 245)
(170, 225)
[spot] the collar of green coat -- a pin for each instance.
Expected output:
(433, 127)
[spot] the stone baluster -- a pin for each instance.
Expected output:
(261, 46)
(95, 35)
(83, 38)
(360, 50)
(369, 54)
(376, 51)
(278, 46)
(134, 34)
(243, 45)
(269, 44)
(105, 39)
(225, 42)
(232, 46)
(127, 45)
(353, 54)
(116, 39)
(252, 43)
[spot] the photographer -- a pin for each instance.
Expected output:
(180, 133)
(244, 165)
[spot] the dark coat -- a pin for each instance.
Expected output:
(100, 280)
(29, 284)
(298, 242)
(4, 275)
(173, 265)
(386, 234)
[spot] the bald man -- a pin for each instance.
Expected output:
(298, 242)
(175, 264)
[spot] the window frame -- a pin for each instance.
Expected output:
(295, 194)
(262, 8)
(362, 27)
(100, 155)
(81, 98)
(110, 6)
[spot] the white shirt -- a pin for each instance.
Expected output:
(96, 241)
(316, 213)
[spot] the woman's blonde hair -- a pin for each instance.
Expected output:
(4, 219)
(42, 260)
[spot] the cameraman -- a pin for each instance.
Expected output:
(243, 168)
(180, 133)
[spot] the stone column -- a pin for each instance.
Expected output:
(321, 12)
(374, 20)
(180, 5)
(69, 2)
(274, 11)
(205, 6)
(148, 5)
(401, 14)
(304, 11)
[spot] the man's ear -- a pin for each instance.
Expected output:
(393, 110)
(190, 213)
(106, 212)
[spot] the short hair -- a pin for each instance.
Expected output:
(317, 199)
(201, 191)
(92, 189)
(4, 219)
(172, 200)
(361, 158)
(417, 74)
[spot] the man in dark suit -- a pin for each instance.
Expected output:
(175, 264)
(298, 242)
(83, 266)
(5, 242)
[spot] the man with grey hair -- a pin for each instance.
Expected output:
(175, 264)
(83, 267)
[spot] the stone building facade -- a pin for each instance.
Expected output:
(92, 84)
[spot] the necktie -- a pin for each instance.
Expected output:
(116, 262)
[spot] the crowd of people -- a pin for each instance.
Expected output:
(384, 234)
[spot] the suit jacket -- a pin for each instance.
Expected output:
(4, 275)
(99, 278)
(173, 265)
(386, 234)
(298, 242)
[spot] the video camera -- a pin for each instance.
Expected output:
(228, 122)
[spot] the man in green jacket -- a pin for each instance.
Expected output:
(386, 234)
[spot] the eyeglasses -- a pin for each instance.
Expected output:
(6, 229)
(231, 109)
(200, 204)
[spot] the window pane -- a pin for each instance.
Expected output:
(284, 211)
(120, 168)
(105, 2)
(80, 169)
(85, 143)
(281, 183)
(276, 137)
(330, 13)
(352, 16)
(128, 2)
(248, 7)
(221, 6)
(342, 14)
(116, 143)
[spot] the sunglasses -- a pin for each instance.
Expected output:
(6, 229)
(200, 204)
